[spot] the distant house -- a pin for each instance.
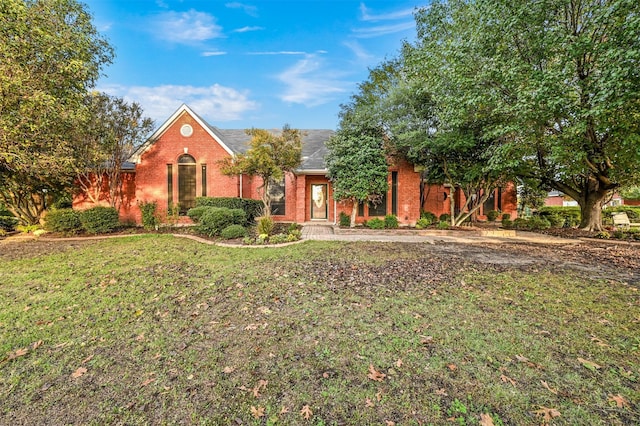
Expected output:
(180, 162)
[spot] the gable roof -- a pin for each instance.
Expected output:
(236, 141)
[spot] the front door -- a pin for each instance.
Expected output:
(319, 202)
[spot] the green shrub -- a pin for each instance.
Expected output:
(251, 208)
(431, 217)
(345, 220)
(27, 229)
(375, 223)
(492, 215)
(445, 217)
(506, 216)
(293, 227)
(149, 214)
(555, 220)
(442, 225)
(66, 221)
(422, 223)
(233, 231)
(196, 212)
(507, 223)
(521, 223)
(278, 239)
(265, 225)
(633, 212)
(100, 220)
(571, 215)
(63, 201)
(8, 223)
(390, 221)
(539, 223)
(294, 235)
(215, 219)
(603, 235)
(4, 212)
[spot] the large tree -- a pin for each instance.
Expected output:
(114, 129)
(356, 163)
(558, 81)
(52, 55)
(270, 156)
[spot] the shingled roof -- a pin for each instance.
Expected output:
(236, 141)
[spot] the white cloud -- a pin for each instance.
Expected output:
(360, 52)
(281, 52)
(248, 29)
(309, 84)
(186, 27)
(216, 103)
(213, 53)
(366, 15)
(383, 30)
(248, 9)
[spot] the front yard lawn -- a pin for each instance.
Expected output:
(160, 330)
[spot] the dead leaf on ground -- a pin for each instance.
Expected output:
(369, 403)
(262, 384)
(18, 353)
(36, 345)
(486, 420)
(148, 382)
(549, 388)
(507, 379)
(87, 359)
(547, 414)
(390, 423)
(375, 375)
(228, 370)
(284, 410)
(257, 412)
(306, 412)
(79, 372)
(621, 401)
(452, 367)
(379, 396)
(441, 392)
(399, 363)
(525, 360)
(600, 342)
(589, 364)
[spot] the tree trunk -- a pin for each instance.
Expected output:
(354, 213)
(591, 210)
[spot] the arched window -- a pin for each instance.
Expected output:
(186, 182)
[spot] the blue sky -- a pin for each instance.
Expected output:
(250, 63)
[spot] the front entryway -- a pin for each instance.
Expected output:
(319, 202)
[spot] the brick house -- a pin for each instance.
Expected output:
(180, 162)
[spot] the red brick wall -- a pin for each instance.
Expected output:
(151, 172)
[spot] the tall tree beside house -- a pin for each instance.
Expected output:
(557, 81)
(270, 156)
(356, 161)
(52, 55)
(114, 129)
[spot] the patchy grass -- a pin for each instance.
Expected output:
(156, 329)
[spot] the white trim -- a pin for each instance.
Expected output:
(137, 155)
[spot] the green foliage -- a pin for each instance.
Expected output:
(356, 163)
(265, 225)
(506, 223)
(8, 223)
(52, 55)
(631, 193)
(445, 217)
(100, 220)
(66, 221)
(422, 223)
(633, 212)
(492, 215)
(195, 213)
(215, 219)
(270, 156)
(149, 214)
(233, 231)
(252, 208)
(375, 223)
(506, 216)
(570, 216)
(443, 225)
(390, 221)
(345, 220)
(429, 216)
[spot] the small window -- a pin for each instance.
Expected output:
(379, 208)
(186, 159)
(277, 193)
(169, 186)
(204, 180)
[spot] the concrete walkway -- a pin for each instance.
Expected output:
(331, 233)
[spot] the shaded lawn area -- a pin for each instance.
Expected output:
(156, 329)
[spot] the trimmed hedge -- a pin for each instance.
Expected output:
(233, 231)
(215, 219)
(64, 220)
(568, 216)
(100, 220)
(251, 208)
